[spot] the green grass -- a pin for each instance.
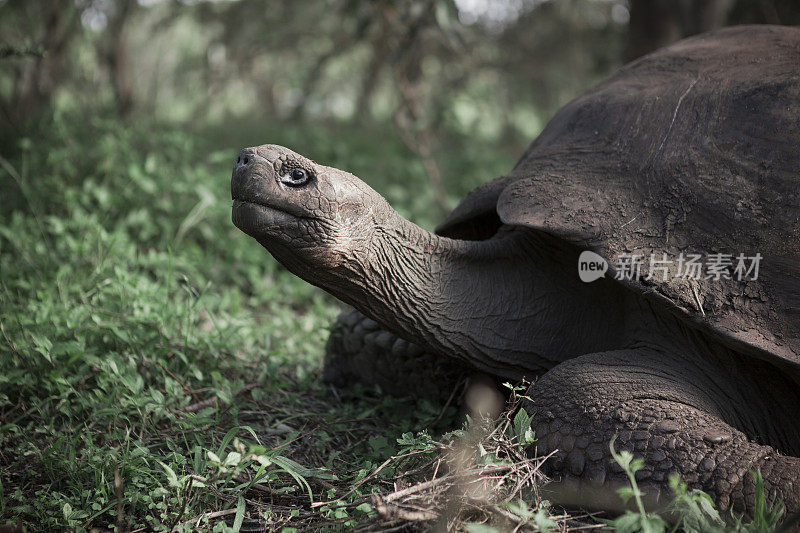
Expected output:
(126, 296)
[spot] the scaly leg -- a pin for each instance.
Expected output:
(677, 416)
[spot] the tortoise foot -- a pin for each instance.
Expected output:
(651, 408)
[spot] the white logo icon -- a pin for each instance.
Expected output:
(591, 266)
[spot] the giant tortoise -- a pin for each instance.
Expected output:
(675, 183)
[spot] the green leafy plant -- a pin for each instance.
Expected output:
(521, 429)
(639, 520)
(694, 510)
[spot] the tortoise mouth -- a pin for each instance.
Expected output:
(256, 218)
(239, 202)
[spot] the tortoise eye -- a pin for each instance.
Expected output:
(295, 178)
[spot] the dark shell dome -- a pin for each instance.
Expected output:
(694, 149)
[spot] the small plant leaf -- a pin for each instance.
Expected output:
(213, 458)
(171, 476)
(239, 518)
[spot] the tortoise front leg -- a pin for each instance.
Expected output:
(360, 351)
(670, 413)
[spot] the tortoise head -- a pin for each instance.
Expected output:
(307, 215)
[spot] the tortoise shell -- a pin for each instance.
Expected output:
(691, 151)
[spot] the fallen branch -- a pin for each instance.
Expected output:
(197, 406)
(374, 472)
(392, 511)
(209, 516)
(182, 384)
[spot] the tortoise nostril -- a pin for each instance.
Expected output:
(244, 158)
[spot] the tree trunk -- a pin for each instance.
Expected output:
(39, 78)
(369, 83)
(117, 57)
(657, 23)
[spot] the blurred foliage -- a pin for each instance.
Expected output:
(487, 68)
(322, 59)
(432, 68)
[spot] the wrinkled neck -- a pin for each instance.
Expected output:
(511, 305)
(397, 280)
(410, 269)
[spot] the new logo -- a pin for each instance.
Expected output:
(591, 266)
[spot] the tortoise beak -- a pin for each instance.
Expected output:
(260, 203)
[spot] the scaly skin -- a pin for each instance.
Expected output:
(663, 410)
(360, 351)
